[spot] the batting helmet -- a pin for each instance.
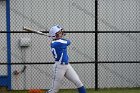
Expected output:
(54, 30)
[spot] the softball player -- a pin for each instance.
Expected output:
(62, 68)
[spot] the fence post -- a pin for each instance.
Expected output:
(8, 42)
(96, 44)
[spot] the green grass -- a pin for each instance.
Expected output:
(116, 90)
(112, 90)
(119, 90)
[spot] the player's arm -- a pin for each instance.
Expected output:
(67, 42)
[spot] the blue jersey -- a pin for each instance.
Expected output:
(59, 50)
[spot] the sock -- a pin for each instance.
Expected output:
(82, 89)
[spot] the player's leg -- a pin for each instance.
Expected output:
(73, 77)
(59, 72)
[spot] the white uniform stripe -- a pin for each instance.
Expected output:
(54, 76)
(61, 41)
(60, 60)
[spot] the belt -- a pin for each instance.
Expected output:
(62, 63)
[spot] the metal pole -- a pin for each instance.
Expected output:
(96, 44)
(8, 42)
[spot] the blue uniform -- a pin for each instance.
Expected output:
(61, 67)
(59, 50)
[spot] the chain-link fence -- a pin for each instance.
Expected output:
(118, 42)
(118, 52)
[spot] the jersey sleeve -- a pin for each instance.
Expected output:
(68, 42)
(61, 43)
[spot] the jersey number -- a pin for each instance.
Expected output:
(54, 52)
